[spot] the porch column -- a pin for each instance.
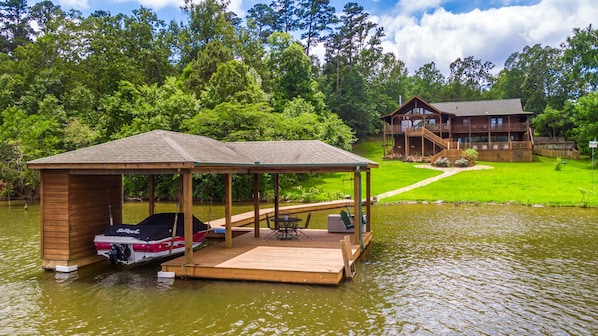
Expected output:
(368, 198)
(357, 206)
(256, 205)
(276, 197)
(228, 205)
(151, 196)
(187, 204)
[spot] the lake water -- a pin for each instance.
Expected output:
(430, 270)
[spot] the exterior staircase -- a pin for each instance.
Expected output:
(452, 154)
(444, 143)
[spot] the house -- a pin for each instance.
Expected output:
(498, 129)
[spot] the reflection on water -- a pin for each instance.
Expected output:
(431, 269)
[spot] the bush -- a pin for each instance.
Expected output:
(470, 154)
(462, 162)
(442, 162)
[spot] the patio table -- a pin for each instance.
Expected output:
(287, 227)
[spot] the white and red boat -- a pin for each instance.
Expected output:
(149, 239)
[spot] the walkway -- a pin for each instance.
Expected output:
(446, 172)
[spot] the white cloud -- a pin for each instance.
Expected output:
(76, 4)
(490, 35)
(235, 5)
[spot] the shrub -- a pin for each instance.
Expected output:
(557, 165)
(470, 154)
(462, 162)
(442, 162)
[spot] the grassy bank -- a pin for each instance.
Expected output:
(519, 183)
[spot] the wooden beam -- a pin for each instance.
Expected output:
(368, 198)
(151, 196)
(276, 196)
(228, 205)
(256, 205)
(187, 201)
(356, 204)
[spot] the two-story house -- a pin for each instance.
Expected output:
(498, 129)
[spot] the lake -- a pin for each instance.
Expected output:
(431, 270)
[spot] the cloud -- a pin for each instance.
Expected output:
(234, 5)
(76, 4)
(441, 36)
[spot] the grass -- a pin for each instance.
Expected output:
(390, 175)
(519, 183)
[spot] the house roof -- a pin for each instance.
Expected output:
(482, 107)
(161, 149)
(463, 109)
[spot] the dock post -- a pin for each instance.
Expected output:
(347, 257)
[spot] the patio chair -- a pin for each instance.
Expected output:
(346, 220)
(274, 229)
(301, 228)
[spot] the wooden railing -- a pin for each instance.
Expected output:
(444, 143)
(476, 128)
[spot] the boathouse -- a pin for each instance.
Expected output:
(82, 190)
(499, 130)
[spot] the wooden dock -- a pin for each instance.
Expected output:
(318, 260)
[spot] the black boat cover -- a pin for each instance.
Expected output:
(155, 227)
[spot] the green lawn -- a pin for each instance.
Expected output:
(521, 183)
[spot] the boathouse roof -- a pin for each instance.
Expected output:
(161, 149)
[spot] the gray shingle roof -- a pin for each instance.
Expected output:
(482, 107)
(172, 149)
(304, 152)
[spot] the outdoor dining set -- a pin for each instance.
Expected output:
(287, 227)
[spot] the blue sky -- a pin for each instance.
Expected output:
(423, 31)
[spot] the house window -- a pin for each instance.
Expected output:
(466, 122)
(496, 122)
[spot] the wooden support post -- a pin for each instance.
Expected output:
(187, 201)
(151, 196)
(356, 205)
(348, 257)
(368, 197)
(276, 196)
(228, 204)
(256, 205)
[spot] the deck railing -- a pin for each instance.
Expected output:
(484, 146)
(476, 128)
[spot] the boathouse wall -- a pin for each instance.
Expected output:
(74, 209)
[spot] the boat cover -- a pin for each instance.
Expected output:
(155, 227)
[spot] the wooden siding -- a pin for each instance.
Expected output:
(54, 215)
(74, 210)
(91, 199)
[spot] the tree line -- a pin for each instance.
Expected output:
(69, 81)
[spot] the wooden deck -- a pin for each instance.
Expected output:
(317, 260)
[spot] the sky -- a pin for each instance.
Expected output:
(424, 31)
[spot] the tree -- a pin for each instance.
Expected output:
(316, 17)
(198, 72)
(535, 75)
(209, 20)
(286, 15)
(15, 29)
(552, 122)
(262, 19)
(468, 79)
(585, 119)
(428, 82)
(581, 53)
(232, 82)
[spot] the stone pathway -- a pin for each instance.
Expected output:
(446, 172)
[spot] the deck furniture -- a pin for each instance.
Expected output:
(287, 227)
(273, 228)
(346, 220)
(301, 228)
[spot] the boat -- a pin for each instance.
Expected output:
(149, 239)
